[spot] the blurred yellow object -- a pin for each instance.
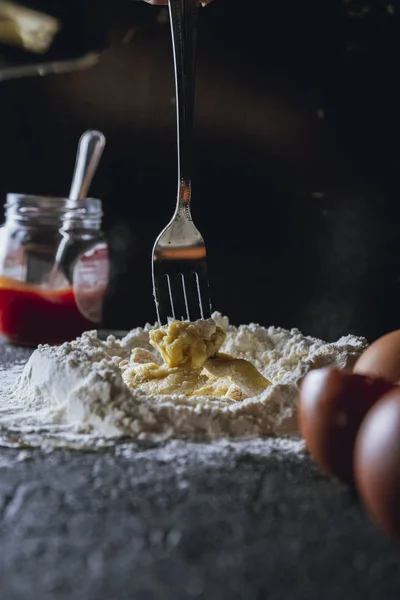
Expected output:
(26, 28)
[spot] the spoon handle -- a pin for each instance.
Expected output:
(90, 149)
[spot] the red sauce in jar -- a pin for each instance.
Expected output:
(31, 315)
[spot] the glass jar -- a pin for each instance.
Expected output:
(54, 268)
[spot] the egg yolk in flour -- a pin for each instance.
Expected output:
(192, 364)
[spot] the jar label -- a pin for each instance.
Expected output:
(90, 279)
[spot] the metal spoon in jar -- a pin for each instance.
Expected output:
(90, 149)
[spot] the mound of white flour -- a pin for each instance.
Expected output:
(79, 385)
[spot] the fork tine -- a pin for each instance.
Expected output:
(190, 289)
(204, 292)
(178, 296)
(162, 296)
(194, 300)
(197, 293)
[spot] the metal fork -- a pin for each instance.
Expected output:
(179, 268)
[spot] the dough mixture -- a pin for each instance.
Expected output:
(202, 380)
(192, 365)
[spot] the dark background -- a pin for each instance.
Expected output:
(296, 184)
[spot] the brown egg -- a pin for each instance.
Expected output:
(332, 405)
(381, 358)
(377, 462)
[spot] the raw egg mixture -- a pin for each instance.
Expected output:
(192, 365)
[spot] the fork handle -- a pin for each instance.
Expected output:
(183, 18)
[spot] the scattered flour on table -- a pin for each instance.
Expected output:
(76, 390)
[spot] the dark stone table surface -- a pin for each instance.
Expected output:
(242, 520)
